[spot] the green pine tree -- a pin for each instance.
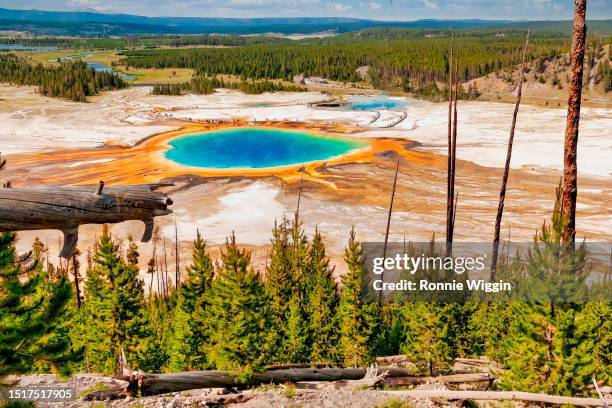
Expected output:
(547, 338)
(32, 313)
(287, 284)
(237, 316)
(188, 332)
(323, 299)
(356, 323)
(156, 347)
(426, 336)
(115, 309)
(296, 342)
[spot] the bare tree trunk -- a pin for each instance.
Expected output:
(297, 211)
(388, 225)
(153, 384)
(166, 282)
(453, 160)
(449, 197)
(570, 169)
(502, 193)
(176, 256)
(157, 275)
(75, 271)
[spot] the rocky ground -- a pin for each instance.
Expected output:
(262, 397)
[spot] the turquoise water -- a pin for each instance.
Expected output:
(374, 103)
(22, 47)
(255, 148)
(103, 68)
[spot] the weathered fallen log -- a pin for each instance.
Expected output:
(371, 379)
(302, 365)
(442, 379)
(65, 208)
(400, 360)
(152, 384)
(499, 396)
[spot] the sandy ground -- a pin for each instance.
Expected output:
(335, 197)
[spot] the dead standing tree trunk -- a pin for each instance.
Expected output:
(502, 193)
(449, 196)
(570, 169)
(453, 196)
(177, 272)
(382, 275)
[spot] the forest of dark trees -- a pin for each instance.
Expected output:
(142, 41)
(414, 61)
(71, 80)
(389, 60)
(207, 85)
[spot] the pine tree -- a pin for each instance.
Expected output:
(546, 339)
(115, 308)
(283, 288)
(188, 332)
(32, 313)
(156, 347)
(296, 342)
(179, 357)
(426, 336)
(279, 278)
(237, 317)
(323, 302)
(132, 253)
(355, 316)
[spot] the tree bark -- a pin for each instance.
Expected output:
(570, 169)
(502, 193)
(65, 208)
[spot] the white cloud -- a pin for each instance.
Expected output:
(375, 6)
(339, 6)
(430, 4)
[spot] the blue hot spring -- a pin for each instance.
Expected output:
(256, 148)
(375, 102)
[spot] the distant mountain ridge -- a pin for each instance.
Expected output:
(41, 22)
(86, 23)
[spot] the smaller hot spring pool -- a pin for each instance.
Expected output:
(256, 148)
(374, 103)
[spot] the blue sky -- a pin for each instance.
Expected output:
(371, 9)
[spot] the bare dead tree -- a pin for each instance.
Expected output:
(76, 265)
(452, 152)
(297, 211)
(166, 282)
(449, 197)
(502, 193)
(570, 168)
(382, 278)
(177, 274)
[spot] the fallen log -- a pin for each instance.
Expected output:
(500, 396)
(153, 384)
(302, 365)
(371, 379)
(399, 360)
(65, 208)
(442, 379)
